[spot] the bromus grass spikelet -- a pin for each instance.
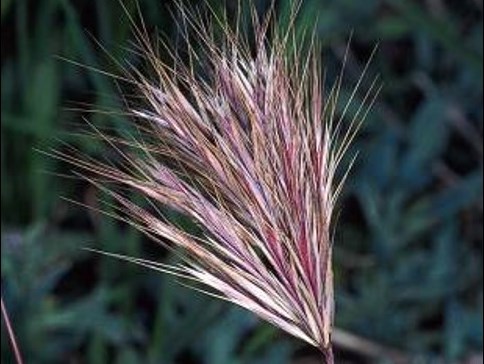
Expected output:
(248, 149)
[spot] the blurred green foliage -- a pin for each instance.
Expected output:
(409, 238)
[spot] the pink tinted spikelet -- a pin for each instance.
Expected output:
(248, 151)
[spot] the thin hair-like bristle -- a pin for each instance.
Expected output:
(11, 334)
(249, 151)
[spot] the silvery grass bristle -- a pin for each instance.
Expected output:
(250, 152)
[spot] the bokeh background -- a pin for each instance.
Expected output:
(408, 248)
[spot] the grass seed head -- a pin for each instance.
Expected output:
(249, 150)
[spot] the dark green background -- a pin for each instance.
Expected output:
(409, 239)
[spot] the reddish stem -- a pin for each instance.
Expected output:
(328, 355)
(11, 334)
